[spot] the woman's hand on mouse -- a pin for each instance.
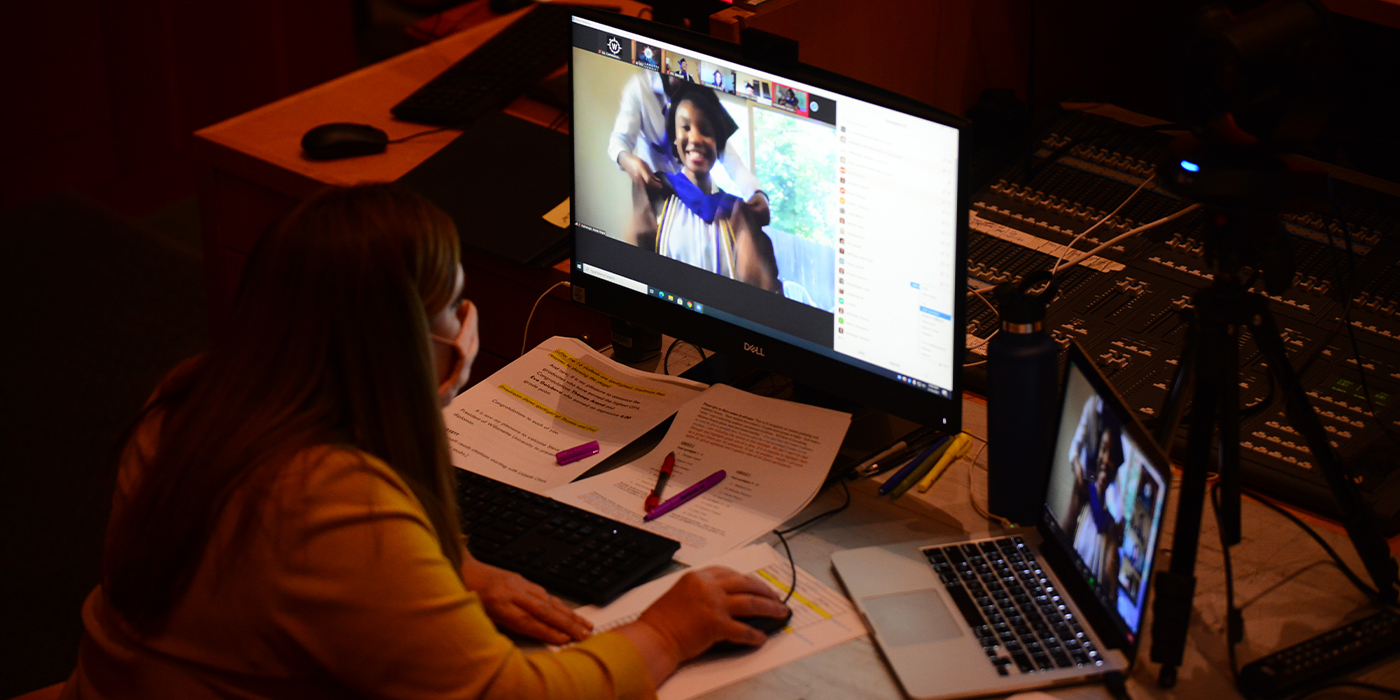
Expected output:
(522, 607)
(698, 612)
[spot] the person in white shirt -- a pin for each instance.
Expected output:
(639, 146)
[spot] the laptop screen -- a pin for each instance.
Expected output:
(1105, 498)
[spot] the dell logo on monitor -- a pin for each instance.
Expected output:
(753, 349)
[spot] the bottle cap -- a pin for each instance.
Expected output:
(1018, 306)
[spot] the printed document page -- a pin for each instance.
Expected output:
(821, 618)
(560, 395)
(775, 454)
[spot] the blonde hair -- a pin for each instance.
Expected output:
(327, 344)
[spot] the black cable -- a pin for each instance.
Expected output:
(1392, 692)
(1370, 592)
(1351, 329)
(1307, 364)
(1234, 621)
(401, 139)
(792, 562)
(1285, 580)
(1030, 92)
(846, 504)
(666, 359)
(1117, 685)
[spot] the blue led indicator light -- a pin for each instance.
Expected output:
(1190, 167)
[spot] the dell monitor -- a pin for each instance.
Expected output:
(778, 213)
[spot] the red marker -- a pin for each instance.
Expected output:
(655, 498)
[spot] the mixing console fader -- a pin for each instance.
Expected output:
(1124, 304)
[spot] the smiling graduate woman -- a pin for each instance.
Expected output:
(284, 523)
(685, 216)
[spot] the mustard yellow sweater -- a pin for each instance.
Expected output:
(342, 591)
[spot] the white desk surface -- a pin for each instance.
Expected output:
(1278, 611)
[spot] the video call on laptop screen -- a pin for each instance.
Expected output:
(862, 200)
(1105, 501)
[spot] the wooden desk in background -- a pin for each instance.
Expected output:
(254, 173)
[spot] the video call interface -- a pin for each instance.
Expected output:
(1105, 500)
(811, 217)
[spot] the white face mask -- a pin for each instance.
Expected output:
(465, 347)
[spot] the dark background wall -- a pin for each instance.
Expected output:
(102, 95)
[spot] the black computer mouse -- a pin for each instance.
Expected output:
(766, 625)
(342, 140)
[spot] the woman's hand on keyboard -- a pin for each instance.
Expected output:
(520, 606)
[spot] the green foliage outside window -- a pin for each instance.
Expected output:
(795, 160)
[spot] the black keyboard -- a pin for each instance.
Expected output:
(1324, 657)
(570, 551)
(499, 71)
(1012, 606)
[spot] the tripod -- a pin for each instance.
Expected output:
(1210, 362)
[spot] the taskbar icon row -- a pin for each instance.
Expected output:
(923, 385)
(678, 301)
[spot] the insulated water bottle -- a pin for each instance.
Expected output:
(1022, 400)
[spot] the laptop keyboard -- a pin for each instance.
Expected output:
(1012, 606)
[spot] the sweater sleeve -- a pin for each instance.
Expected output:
(361, 585)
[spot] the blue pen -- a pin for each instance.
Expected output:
(904, 471)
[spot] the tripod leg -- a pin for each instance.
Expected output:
(1356, 517)
(1170, 416)
(1171, 610)
(1228, 425)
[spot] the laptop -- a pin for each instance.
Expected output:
(1056, 604)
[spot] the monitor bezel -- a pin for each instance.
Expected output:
(802, 365)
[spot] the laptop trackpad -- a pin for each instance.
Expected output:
(916, 617)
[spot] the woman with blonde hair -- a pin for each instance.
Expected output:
(284, 523)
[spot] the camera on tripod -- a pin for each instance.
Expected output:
(1255, 90)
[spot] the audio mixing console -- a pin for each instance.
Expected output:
(1123, 305)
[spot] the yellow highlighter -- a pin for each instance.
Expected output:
(955, 450)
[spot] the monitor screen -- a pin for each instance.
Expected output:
(1106, 498)
(809, 222)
